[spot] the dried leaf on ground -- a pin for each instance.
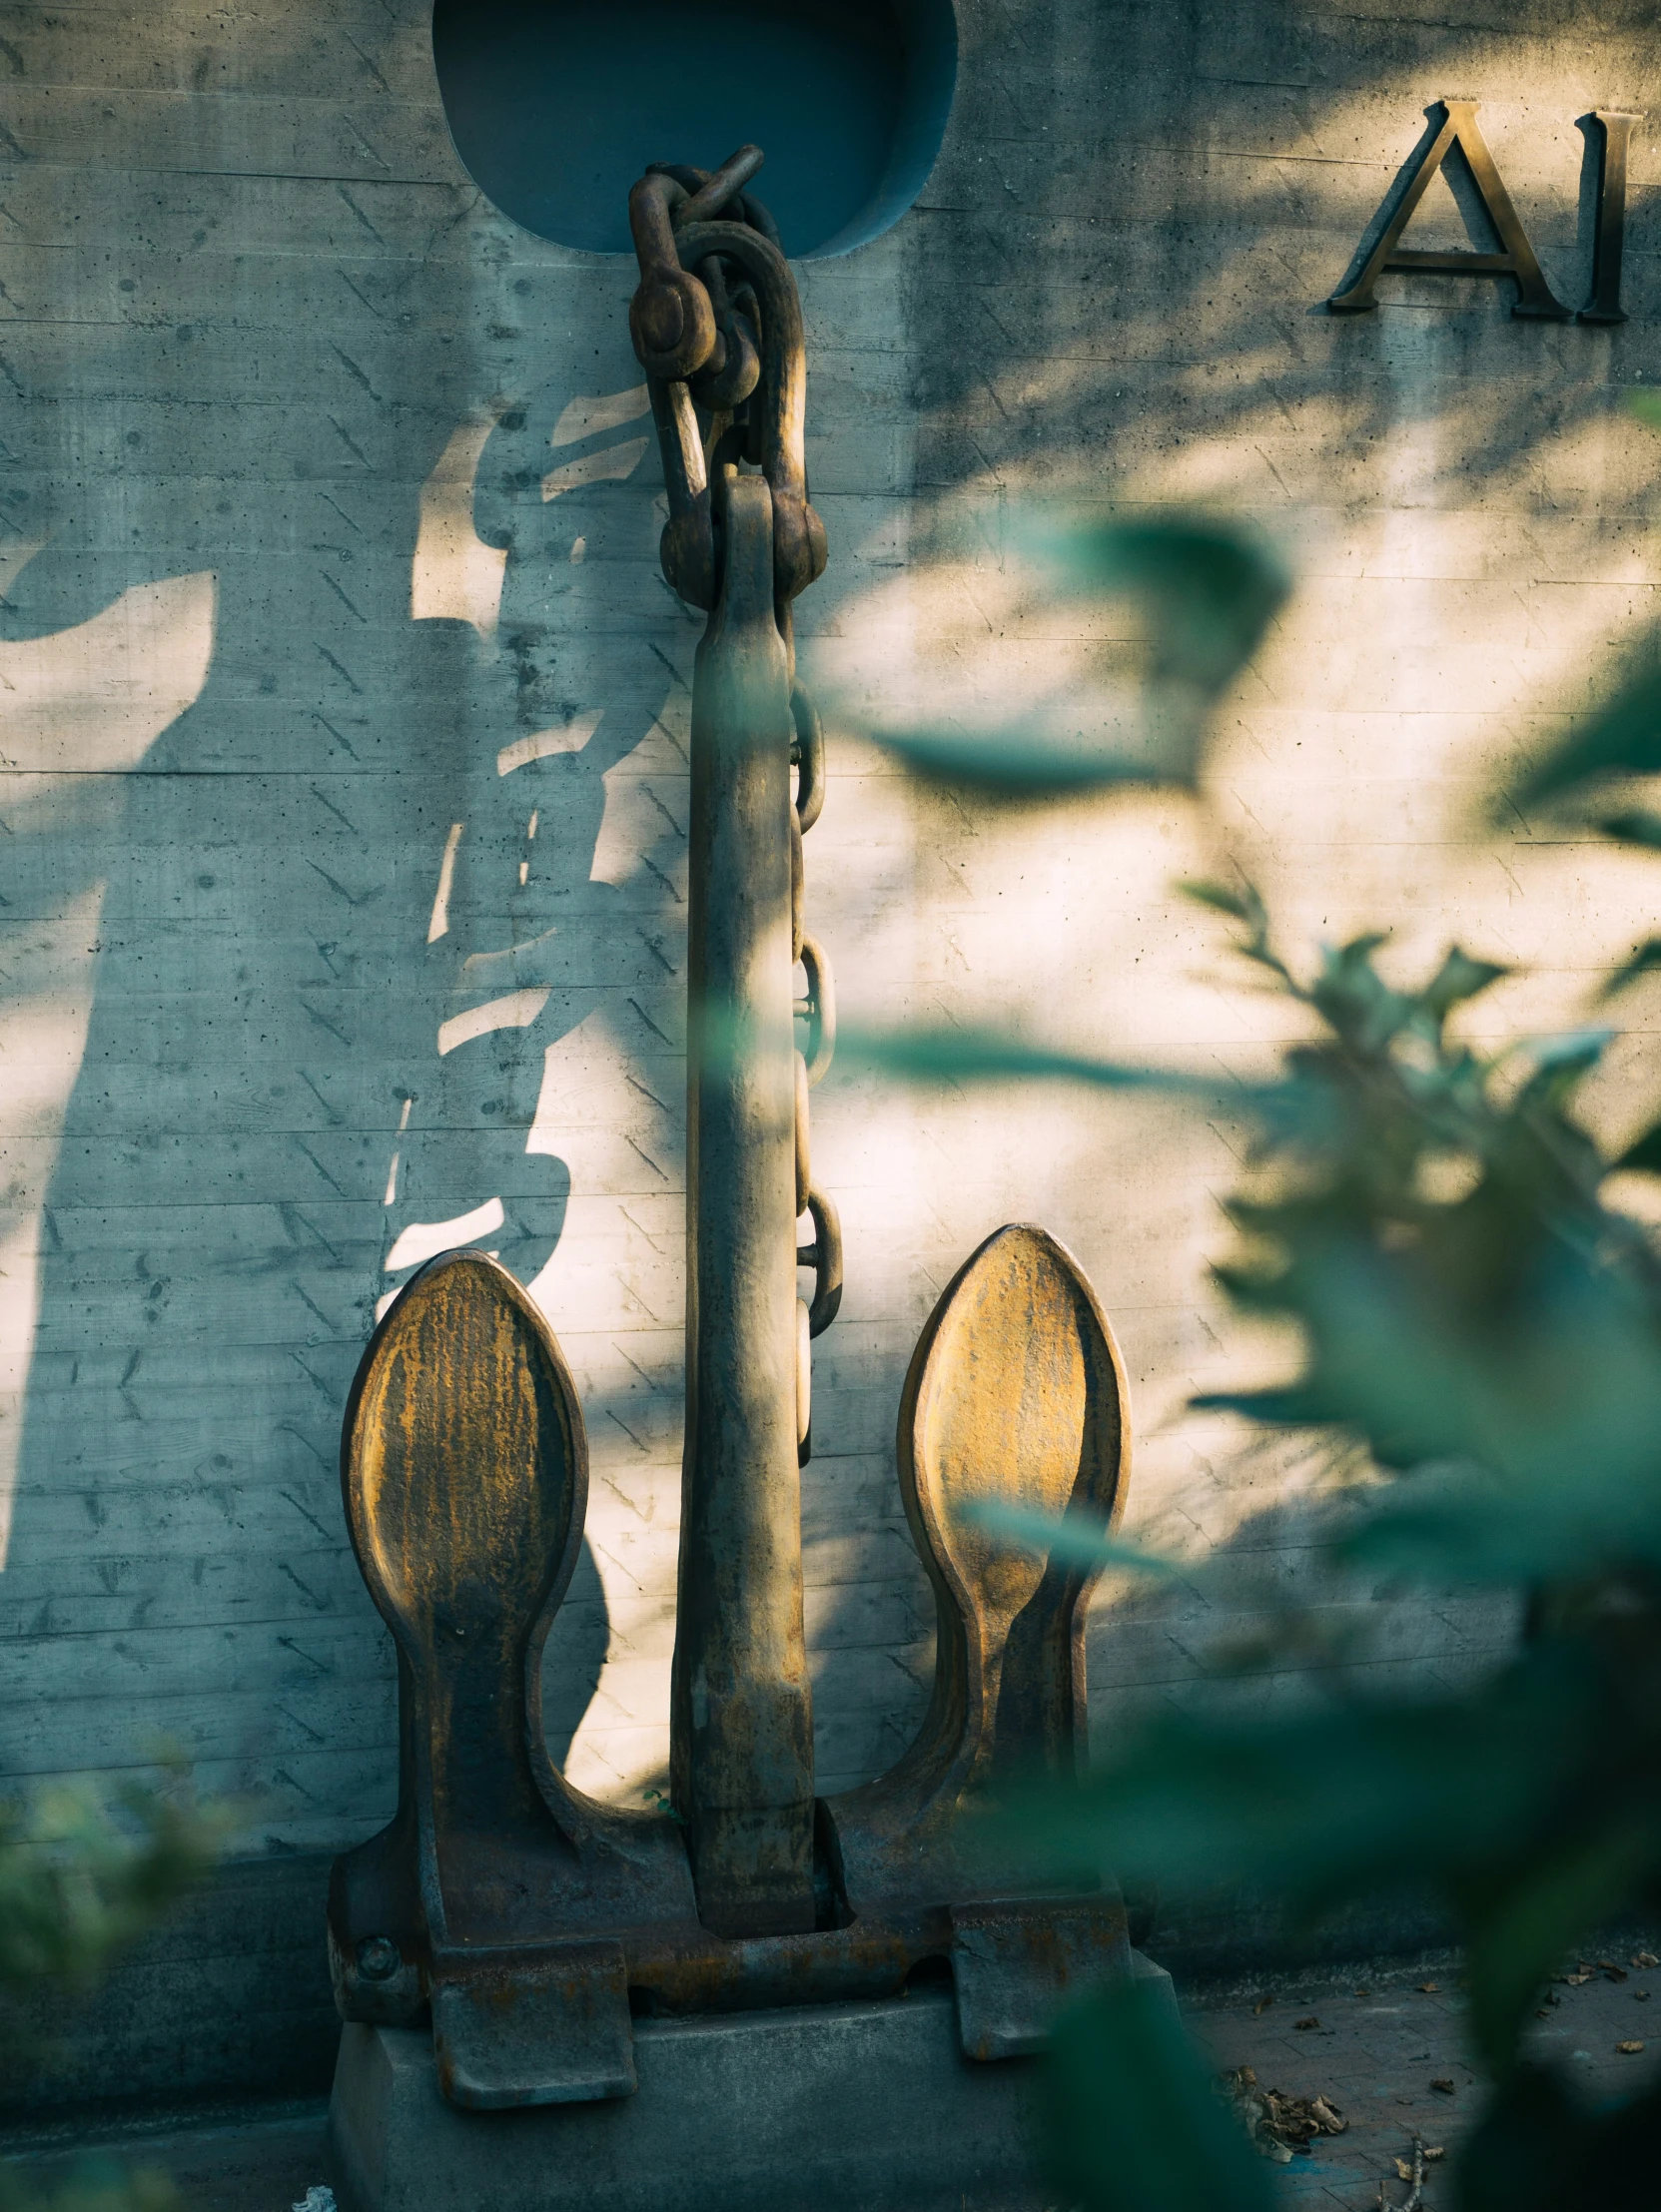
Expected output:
(1447, 2087)
(1644, 1958)
(1277, 2124)
(1629, 2050)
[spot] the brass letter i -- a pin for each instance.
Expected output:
(1605, 304)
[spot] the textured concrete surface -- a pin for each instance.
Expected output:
(839, 2105)
(1380, 2040)
(329, 576)
(732, 2110)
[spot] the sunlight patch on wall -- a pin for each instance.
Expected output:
(92, 700)
(587, 416)
(89, 701)
(454, 575)
(515, 1010)
(1438, 628)
(43, 1038)
(564, 737)
(610, 465)
(613, 1292)
(425, 1240)
(439, 925)
(1471, 557)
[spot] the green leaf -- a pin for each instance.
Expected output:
(94, 2184)
(1635, 825)
(1539, 2148)
(1588, 1506)
(939, 1055)
(1459, 977)
(1030, 764)
(76, 1886)
(1624, 737)
(1212, 588)
(1643, 1155)
(1246, 906)
(1646, 406)
(1351, 995)
(1519, 1928)
(1643, 962)
(1243, 906)
(1560, 1064)
(1333, 1799)
(1080, 1542)
(1296, 1406)
(1208, 593)
(1132, 2123)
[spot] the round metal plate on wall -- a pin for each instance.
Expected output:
(557, 108)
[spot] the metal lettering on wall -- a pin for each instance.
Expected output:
(529, 1923)
(1516, 258)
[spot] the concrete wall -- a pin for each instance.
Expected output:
(300, 443)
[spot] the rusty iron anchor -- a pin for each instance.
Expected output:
(528, 1923)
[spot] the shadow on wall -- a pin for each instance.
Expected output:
(388, 948)
(348, 862)
(1136, 314)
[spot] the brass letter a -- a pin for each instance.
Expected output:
(1534, 295)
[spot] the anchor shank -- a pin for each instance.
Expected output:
(741, 1719)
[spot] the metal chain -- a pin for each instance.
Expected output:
(727, 365)
(818, 1010)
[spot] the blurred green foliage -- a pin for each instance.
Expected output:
(1202, 596)
(80, 1879)
(97, 2185)
(1480, 1342)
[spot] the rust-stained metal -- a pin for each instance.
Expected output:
(528, 1923)
(673, 322)
(817, 1007)
(807, 756)
(1016, 1961)
(466, 1475)
(741, 1720)
(532, 1923)
(742, 545)
(1016, 1396)
(824, 1256)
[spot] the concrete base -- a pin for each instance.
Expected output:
(832, 2108)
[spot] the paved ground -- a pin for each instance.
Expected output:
(227, 2161)
(1375, 2042)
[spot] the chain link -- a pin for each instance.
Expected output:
(722, 346)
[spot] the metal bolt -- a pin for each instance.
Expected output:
(379, 1958)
